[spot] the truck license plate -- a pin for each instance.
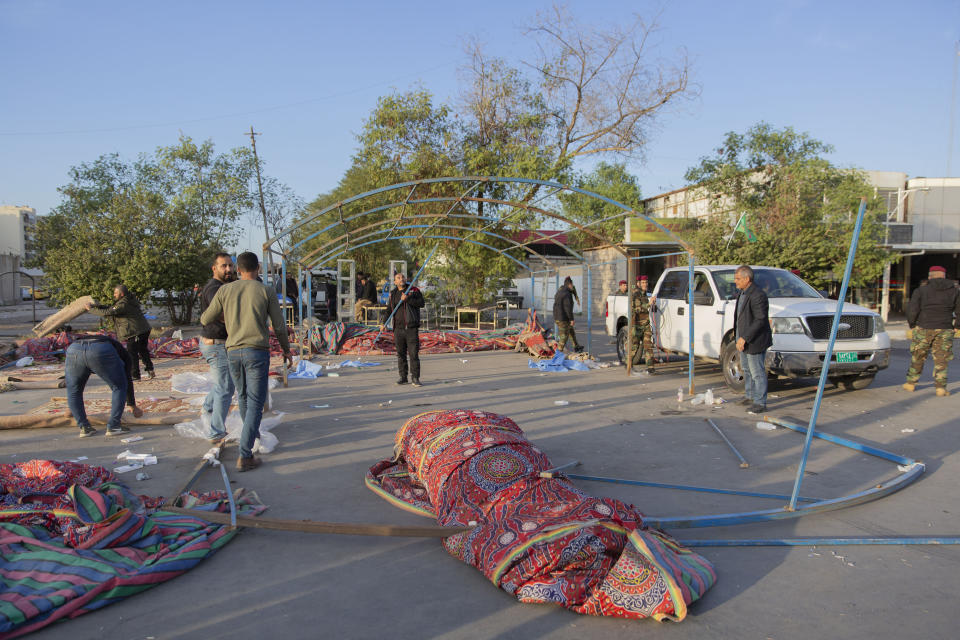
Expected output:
(846, 356)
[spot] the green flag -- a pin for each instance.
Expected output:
(744, 229)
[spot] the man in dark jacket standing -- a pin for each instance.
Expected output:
(754, 337)
(563, 315)
(131, 326)
(213, 348)
(406, 327)
(932, 313)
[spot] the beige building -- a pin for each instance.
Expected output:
(17, 224)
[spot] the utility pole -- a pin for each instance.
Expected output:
(263, 209)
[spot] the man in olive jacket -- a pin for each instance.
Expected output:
(131, 326)
(754, 337)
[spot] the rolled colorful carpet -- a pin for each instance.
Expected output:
(539, 538)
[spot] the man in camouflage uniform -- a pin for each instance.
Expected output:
(933, 313)
(642, 331)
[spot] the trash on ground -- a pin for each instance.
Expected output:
(907, 430)
(143, 476)
(353, 363)
(561, 403)
(306, 370)
(127, 467)
(143, 459)
(79, 459)
(387, 403)
(131, 439)
(333, 375)
(319, 406)
(766, 426)
(26, 361)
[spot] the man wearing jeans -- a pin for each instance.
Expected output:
(213, 348)
(108, 359)
(244, 306)
(754, 337)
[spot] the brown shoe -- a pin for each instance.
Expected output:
(942, 392)
(909, 386)
(247, 464)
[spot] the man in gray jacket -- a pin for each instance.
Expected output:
(245, 305)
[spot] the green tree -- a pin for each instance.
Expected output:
(152, 224)
(612, 181)
(800, 207)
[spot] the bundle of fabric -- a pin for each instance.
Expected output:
(357, 339)
(533, 338)
(73, 540)
(535, 536)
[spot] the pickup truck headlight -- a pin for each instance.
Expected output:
(878, 325)
(786, 325)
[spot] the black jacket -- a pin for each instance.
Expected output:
(216, 330)
(368, 291)
(563, 305)
(408, 315)
(935, 305)
(752, 320)
(128, 319)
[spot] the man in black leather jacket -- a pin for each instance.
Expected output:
(406, 327)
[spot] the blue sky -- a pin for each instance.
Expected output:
(81, 79)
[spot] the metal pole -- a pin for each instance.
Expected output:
(685, 487)
(690, 321)
(589, 296)
(263, 208)
(631, 285)
(851, 254)
(820, 542)
(885, 292)
(743, 463)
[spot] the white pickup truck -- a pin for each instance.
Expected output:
(800, 317)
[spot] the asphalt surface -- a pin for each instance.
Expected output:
(281, 584)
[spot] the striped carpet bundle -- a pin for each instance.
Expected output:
(73, 540)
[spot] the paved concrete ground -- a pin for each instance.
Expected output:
(278, 584)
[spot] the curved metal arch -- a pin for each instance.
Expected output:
(458, 200)
(481, 244)
(348, 247)
(305, 259)
(477, 181)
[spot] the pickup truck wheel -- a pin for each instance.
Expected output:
(852, 383)
(732, 370)
(622, 345)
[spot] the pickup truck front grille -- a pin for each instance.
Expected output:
(860, 327)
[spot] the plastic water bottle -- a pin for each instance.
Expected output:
(680, 395)
(708, 398)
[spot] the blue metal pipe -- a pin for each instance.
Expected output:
(727, 519)
(850, 444)
(690, 260)
(851, 254)
(683, 487)
(588, 296)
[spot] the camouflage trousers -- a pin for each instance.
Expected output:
(565, 331)
(924, 341)
(642, 344)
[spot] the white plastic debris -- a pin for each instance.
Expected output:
(333, 375)
(679, 395)
(143, 476)
(177, 335)
(766, 426)
(143, 459)
(561, 403)
(132, 439)
(25, 361)
(127, 467)
(697, 399)
(213, 456)
(708, 397)
(907, 430)
(320, 406)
